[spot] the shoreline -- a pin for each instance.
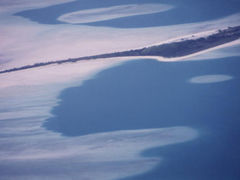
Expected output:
(169, 50)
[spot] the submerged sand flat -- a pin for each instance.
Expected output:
(113, 12)
(28, 151)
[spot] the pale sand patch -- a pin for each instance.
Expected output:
(113, 12)
(213, 78)
(24, 42)
(13, 6)
(108, 155)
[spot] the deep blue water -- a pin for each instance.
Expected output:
(186, 11)
(150, 94)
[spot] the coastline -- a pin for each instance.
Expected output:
(29, 96)
(175, 49)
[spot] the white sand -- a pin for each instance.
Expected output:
(113, 12)
(24, 42)
(212, 78)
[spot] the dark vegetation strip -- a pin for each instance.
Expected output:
(168, 50)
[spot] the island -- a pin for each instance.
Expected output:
(167, 50)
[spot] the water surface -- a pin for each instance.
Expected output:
(149, 94)
(185, 11)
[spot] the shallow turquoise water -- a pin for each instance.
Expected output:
(150, 94)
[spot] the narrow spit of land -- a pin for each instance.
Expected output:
(167, 50)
